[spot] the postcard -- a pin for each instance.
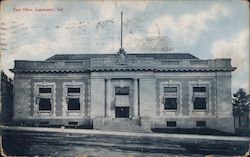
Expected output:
(124, 78)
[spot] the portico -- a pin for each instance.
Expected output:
(120, 95)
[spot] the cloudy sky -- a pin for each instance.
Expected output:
(36, 30)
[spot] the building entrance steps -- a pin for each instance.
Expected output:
(123, 125)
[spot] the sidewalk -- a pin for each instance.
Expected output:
(126, 134)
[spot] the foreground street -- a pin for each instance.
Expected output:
(31, 143)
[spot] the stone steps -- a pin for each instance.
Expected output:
(123, 125)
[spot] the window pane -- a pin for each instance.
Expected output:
(170, 89)
(73, 90)
(201, 123)
(44, 90)
(170, 104)
(199, 103)
(44, 104)
(73, 104)
(121, 90)
(171, 123)
(199, 89)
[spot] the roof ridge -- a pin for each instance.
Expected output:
(115, 53)
(153, 55)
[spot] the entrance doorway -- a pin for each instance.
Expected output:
(121, 112)
(122, 102)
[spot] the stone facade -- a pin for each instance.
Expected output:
(152, 90)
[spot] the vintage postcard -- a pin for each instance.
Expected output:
(124, 78)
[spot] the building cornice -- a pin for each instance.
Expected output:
(124, 69)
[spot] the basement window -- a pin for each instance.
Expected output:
(44, 124)
(44, 104)
(171, 123)
(201, 123)
(73, 104)
(73, 123)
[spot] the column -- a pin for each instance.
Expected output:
(147, 97)
(97, 97)
(136, 98)
(109, 97)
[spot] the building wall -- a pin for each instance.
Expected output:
(26, 104)
(146, 102)
(97, 97)
(218, 114)
(224, 117)
(185, 82)
(21, 98)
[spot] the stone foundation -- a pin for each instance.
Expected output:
(55, 122)
(222, 124)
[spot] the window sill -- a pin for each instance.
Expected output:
(73, 113)
(200, 110)
(73, 94)
(170, 110)
(44, 113)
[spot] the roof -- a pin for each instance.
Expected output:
(136, 55)
(156, 62)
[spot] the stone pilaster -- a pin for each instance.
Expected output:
(108, 98)
(97, 97)
(136, 114)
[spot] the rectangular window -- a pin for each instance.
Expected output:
(199, 89)
(170, 89)
(44, 90)
(44, 98)
(171, 123)
(201, 123)
(73, 90)
(44, 104)
(200, 103)
(170, 104)
(121, 90)
(200, 97)
(171, 96)
(73, 104)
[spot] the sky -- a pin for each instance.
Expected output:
(208, 29)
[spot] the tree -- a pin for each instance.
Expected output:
(240, 103)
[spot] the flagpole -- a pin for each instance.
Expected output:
(121, 27)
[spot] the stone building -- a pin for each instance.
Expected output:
(135, 90)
